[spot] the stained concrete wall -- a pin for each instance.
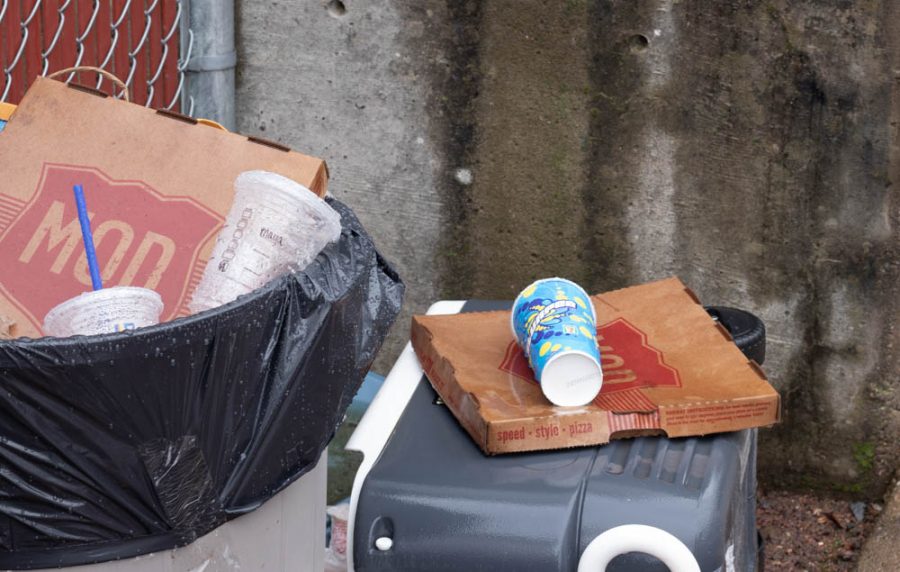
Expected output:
(748, 147)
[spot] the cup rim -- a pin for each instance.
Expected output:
(285, 187)
(104, 293)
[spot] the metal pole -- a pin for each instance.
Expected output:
(210, 70)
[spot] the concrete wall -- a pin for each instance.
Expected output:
(749, 148)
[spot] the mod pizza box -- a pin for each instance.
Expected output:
(158, 186)
(668, 369)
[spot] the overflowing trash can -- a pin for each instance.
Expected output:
(122, 445)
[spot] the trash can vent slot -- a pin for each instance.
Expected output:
(268, 143)
(175, 115)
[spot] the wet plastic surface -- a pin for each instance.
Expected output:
(448, 507)
(120, 445)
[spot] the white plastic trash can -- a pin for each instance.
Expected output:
(287, 534)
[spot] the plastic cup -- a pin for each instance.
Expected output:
(275, 226)
(106, 311)
(554, 322)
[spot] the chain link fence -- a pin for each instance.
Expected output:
(146, 43)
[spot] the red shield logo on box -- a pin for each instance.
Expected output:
(143, 238)
(629, 364)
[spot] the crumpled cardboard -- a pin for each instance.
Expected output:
(668, 369)
(158, 186)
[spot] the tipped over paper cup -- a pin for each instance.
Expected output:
(106, 311)
(554, 322)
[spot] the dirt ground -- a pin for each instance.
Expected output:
(807, 532)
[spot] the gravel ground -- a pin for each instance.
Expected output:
(808, 532)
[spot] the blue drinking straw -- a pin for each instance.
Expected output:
(85, 221)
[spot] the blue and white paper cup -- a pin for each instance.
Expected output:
(554, 322)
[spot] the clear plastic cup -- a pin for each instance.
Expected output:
(104, 311)
(275, 226)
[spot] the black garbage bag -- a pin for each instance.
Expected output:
(119, 445)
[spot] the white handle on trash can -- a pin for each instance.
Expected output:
(637, 538)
